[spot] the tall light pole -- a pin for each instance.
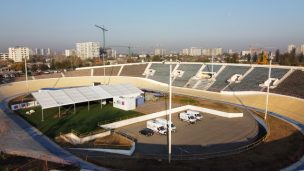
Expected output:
(26, 80)
(104, 47)
(267, 95)
(170, 113)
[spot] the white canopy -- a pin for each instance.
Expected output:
(61, 97)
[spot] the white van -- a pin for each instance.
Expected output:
(186, 117)
(164, 122)
(194, 113)
(156, 127)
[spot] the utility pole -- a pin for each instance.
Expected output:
(104, 47)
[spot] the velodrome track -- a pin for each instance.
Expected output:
(284, 105)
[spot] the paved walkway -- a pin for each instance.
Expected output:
(25, 140)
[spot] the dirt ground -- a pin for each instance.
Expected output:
(113, 139)
(178, 100)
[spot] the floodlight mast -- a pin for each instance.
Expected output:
(170, 112)
(269, 76)
(104, 47)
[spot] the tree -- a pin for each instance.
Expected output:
(293, 59)
(235, 58)
(34, 68)
(43, 67)
(277, 55)
(255, 57)
(301, 58)
(248, 57)
(19, 66)
(156, 58)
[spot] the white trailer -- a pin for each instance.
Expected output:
(164, 122)
(156, 127)
(194, 113)
(184, 116)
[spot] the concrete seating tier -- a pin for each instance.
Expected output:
(109, 71)
(162, 72)
(293, 85)
(204, 84)
(227, 73)
(190, 70)
(208, 68)
(135, 70)
(78, 73)
(191, 83)
(257, 76)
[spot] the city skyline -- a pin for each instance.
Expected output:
(172, 25)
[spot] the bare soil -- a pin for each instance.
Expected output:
(113, 139)
(178, 100)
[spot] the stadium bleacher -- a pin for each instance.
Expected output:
(190, 70)
(257, 76)
(135, 70)
(78, 73)
(208, 68)
(162, 72)
(204, 84)
(293, 85)
(109, 71)
(227, 73)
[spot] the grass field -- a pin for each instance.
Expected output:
(83, 121)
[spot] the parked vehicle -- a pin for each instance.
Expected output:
(146, 132)
(156, 127)
(194, 113)
(164, 122)
(184, 116)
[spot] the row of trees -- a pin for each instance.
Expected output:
(289, 59)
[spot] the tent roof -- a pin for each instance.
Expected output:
(61, 97)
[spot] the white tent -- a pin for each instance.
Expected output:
(67, 96)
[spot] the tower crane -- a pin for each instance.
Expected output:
(121, 46)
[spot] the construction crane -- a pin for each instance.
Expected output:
(129, 48)
(104, 47)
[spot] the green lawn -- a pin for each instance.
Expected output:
(83, 121)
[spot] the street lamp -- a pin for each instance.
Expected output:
(269, 75)
(26, 80)
(170, 112)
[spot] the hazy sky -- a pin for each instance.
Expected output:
(173, 24)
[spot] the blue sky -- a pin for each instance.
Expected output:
(173, 24)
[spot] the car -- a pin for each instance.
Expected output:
(147, 132)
